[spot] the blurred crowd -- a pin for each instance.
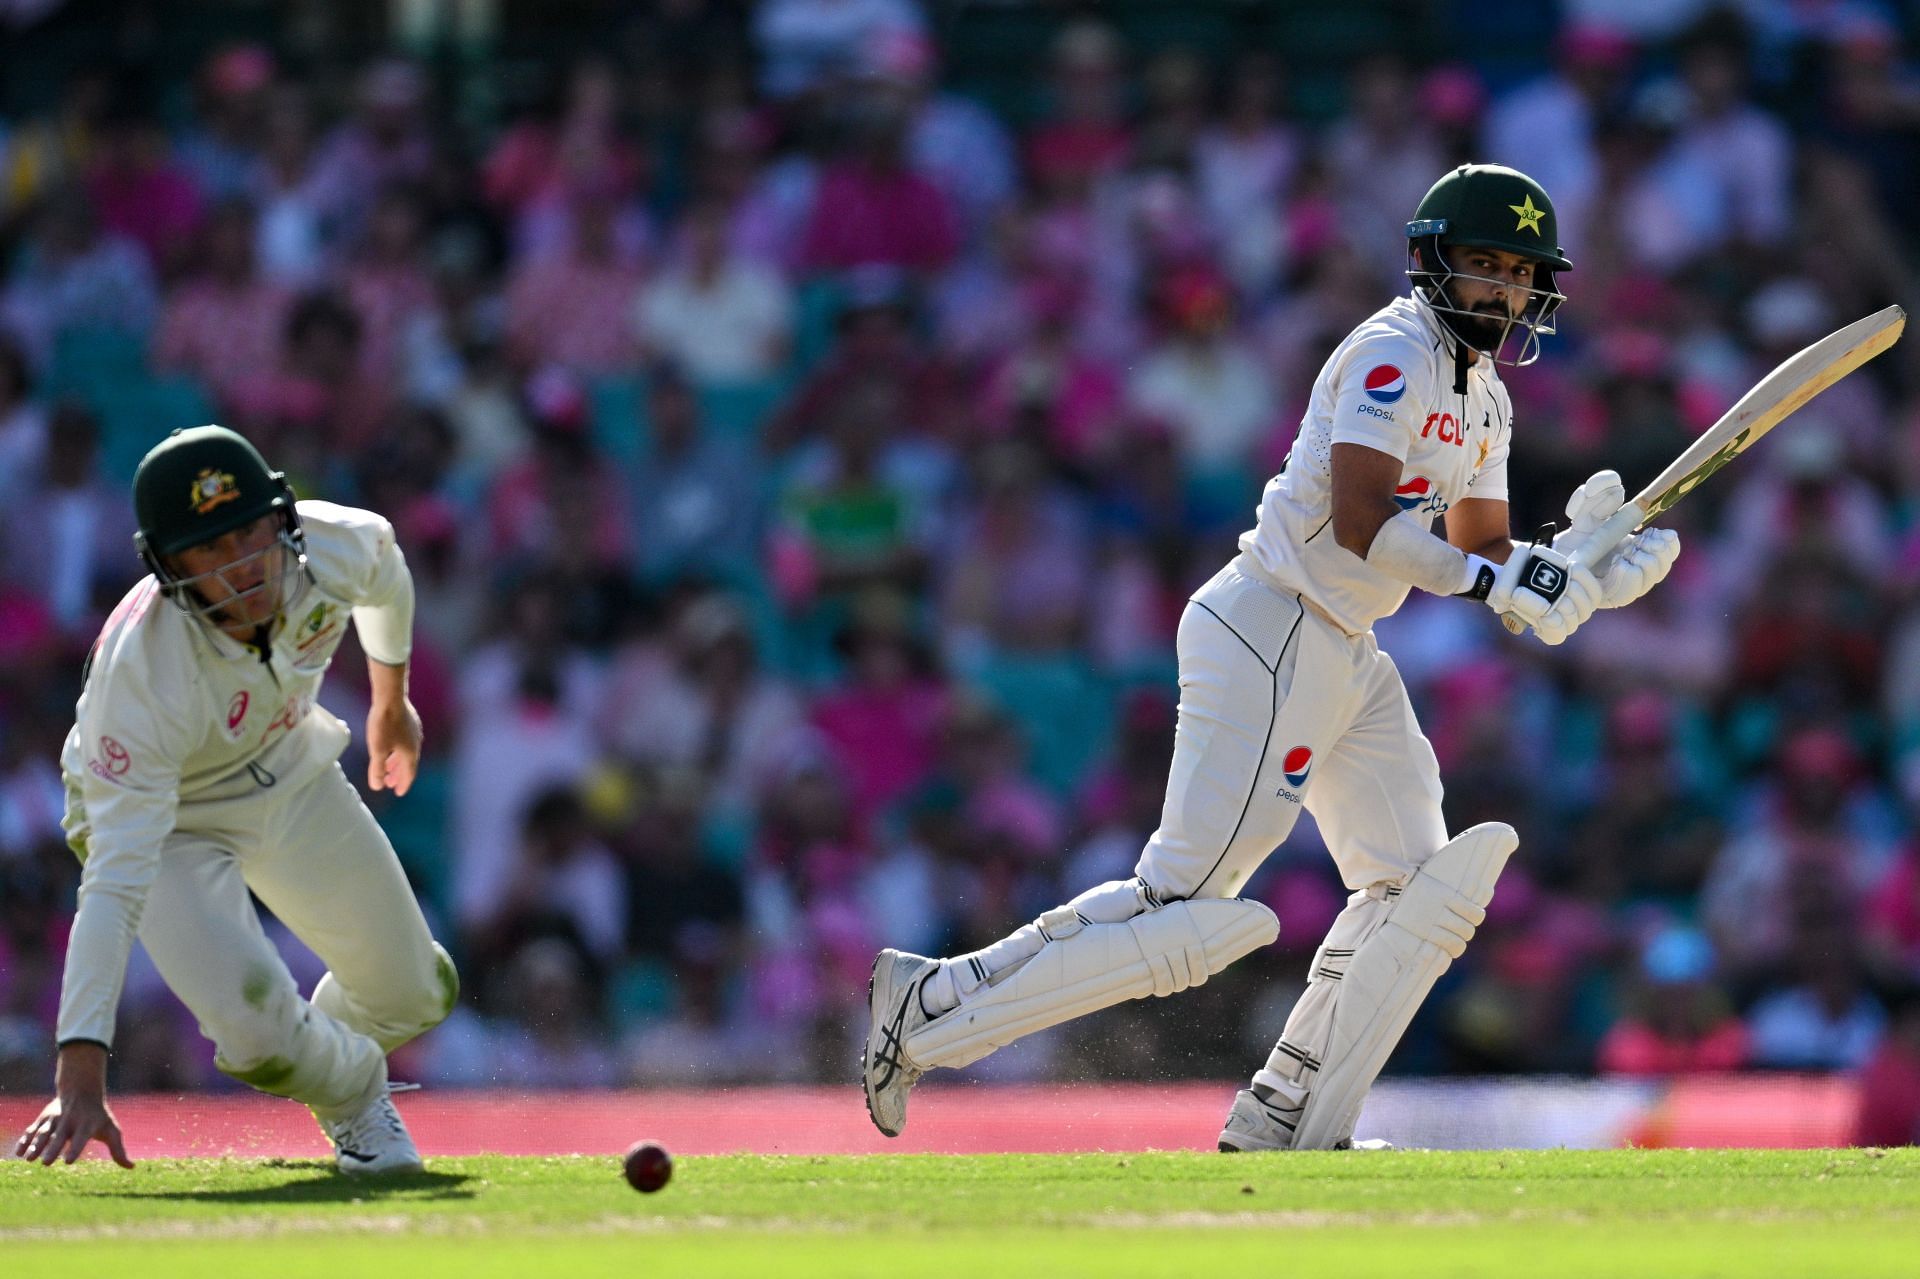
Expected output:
(803, 464)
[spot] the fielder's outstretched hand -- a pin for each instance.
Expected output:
(78, 1114)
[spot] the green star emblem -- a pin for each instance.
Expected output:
(1529, 216)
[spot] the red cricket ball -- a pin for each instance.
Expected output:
(648, 1166)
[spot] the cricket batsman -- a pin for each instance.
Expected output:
(1287, 702)
(200, 769)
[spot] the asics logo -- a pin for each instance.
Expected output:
(891, 1047)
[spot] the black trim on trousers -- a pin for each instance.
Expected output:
(1243, 639)
(1273, 714)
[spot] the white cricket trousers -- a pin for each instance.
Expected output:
(1279, 710)
(319, 861)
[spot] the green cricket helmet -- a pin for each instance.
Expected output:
(201, 483)
(1488, 206)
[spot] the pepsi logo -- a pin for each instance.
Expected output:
(1385, 384)
(1413, 493)
(1295, 766)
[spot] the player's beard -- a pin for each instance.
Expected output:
(1483, 328)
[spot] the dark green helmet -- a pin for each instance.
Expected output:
(1487, 206)
(199, 483)
(1490, 206)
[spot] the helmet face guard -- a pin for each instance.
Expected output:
(285, 564)
(1432, 273)
(200, 485)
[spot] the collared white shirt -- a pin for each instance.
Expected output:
(1390, 387)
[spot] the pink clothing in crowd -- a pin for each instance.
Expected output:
(862, 216)
(1635, 1048)
(885, 740)
(1893, 910)
(535, 162)
(158, 209)
(524, 515)
(1076, 151)
(1078, 398)
(220, 335)
(386, 298)
(575, 313)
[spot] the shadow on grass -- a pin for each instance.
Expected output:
(318, 1183)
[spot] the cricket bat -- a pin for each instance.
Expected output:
(1772, 400)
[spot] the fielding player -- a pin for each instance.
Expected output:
(1287, 702)
(199, 769)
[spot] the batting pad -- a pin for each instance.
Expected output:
(1391, 972)
(1086, 967)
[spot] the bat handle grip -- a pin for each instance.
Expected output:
(1595, 547)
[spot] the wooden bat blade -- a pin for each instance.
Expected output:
(1773, 399)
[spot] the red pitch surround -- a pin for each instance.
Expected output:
(1750, 1111)
(783, 1121)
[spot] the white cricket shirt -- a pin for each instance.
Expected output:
(173, 712)
(1388, 386)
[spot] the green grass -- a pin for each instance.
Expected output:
(1428, 1214)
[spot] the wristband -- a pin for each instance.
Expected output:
(1481, 575)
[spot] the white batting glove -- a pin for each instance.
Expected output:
(1545, 590)
(1640, 564)
(1630, 569)
(1591, 505)
(1575, 606)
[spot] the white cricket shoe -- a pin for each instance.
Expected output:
(373, 1139)
(894, 1012)
(1254, 1124)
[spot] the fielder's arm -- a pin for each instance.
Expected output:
(121, 804)
(383, 616)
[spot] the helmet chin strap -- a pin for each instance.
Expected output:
(1461, 356)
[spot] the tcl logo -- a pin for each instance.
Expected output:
(1447, 428)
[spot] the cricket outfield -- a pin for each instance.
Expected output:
(1645, 1213)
